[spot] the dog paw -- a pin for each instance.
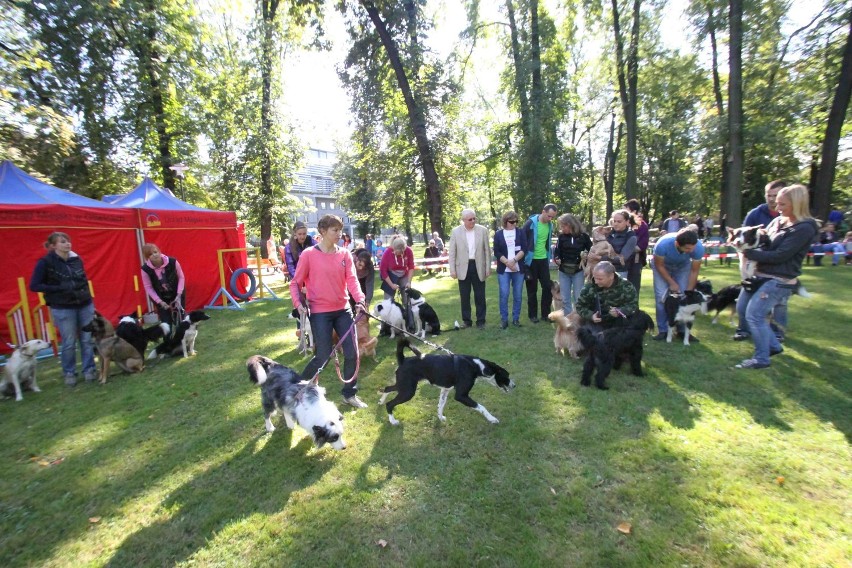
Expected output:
(36, 389)
(586, 383)
(442, 418)
(393, 420)
(493, 420)
(19, 398)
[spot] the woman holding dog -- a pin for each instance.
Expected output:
(623, 241)
(572, 246)
(60, 276)
(163, 280)
(779, 266)
(510, 245)
(327, 273)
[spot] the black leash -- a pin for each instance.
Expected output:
(409, 334)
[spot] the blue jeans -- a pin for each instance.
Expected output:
(754, 310)
(679, 275)
(838, 250)
(68, 322)
(570, 285)
(515, 280)
(321, 328)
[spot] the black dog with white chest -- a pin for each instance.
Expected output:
(459, 372)
(182, 339)
(607, 348)
(681, 310)
(428, 318)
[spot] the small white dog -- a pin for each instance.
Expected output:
(20, 371)
(391, 313)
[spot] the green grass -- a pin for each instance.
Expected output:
(177, 469)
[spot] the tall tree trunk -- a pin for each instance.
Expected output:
(836, 117)
(627, 71)
(269, 10)
(612, 149)
(149, 57)
(720, 110)
(416, 117)
(733, 207)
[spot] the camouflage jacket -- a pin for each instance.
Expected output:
(621, 295)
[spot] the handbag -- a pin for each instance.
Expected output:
(569, 268)
(753, 284)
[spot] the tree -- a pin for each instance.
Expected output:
(627, 71)
(733, 191)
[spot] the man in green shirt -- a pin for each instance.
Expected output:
(539, 230)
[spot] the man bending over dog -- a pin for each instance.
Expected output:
(677, 260)
(608, 298)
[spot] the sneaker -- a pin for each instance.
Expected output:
(480, 325)
(660, 336)
(751, 364)
(504, 324)
(70, 380)
(534, 320)
(355, 401)
(774, 352)
(740, 336)
(516, 323)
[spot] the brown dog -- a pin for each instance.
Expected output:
(366, 344)
(565, 337)
(113, 348)
(556, 293)
(600, 247)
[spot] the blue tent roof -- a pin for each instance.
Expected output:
(148, 195)
(20, 188)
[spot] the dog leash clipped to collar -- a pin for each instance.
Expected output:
(338, 345)
(415, 336)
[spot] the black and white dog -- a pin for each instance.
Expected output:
(607, 348)
(743, 239)
(301, 402)
(726, 298)
(681, 309)
(427, 319)
(459, 372)
(20, 371)
(130, 330)
(390, 313)
(182, 339)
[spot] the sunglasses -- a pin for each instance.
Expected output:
(512, 221)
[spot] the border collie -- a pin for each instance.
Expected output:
(607, 348)
(681, 309)
(726, 298)
(130, 330)
(447, 372)
(428, 319)
(182, 340)
(20, 370)
(390, 313)
(301, 402)
(743, 239)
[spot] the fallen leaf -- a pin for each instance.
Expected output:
(780, 480)
(94, 520)
(382, 542)
(44, 463)
(625, 528)
(57, 461)
(552, 490)
(151, 417)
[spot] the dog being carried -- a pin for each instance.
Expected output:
(600, 247)
(459, 372)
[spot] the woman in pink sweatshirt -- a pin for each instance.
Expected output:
(327, 272)
(163, 280)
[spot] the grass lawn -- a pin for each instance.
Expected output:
(698, 463)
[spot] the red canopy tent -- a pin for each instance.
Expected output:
(105, 237)
(190, 234)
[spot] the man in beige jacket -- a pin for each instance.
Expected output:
(470, 263)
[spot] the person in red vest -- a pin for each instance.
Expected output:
(163, 280)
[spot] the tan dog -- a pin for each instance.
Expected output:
(20, 371)
(366, 344)
(556, 293)
(600, 247)
(565, 337)
(113, 348)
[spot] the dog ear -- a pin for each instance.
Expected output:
(320, 435)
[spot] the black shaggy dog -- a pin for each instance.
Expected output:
(130, 329)
(607, 348)
(447, 372)
(428, 318)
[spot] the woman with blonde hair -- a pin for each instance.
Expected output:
(779, 266)
(572, 246)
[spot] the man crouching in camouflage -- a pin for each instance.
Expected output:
(608, 299)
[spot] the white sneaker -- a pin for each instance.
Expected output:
(355, 401)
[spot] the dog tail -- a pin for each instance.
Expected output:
(257, 366)
(400, 350)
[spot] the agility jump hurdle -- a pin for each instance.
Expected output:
(255, 284)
